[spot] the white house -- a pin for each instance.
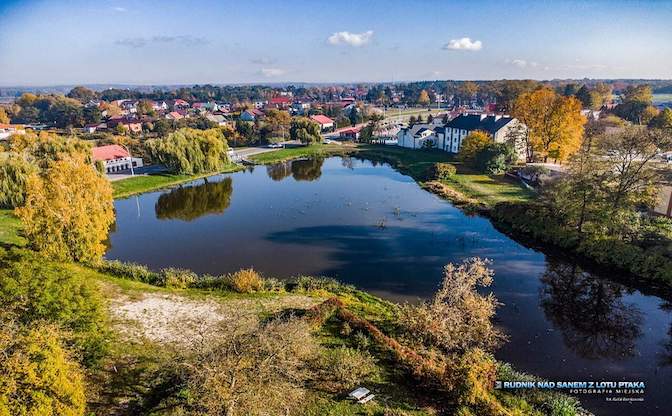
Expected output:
(115, 158)
(7, 130)
(325, 122)
(416, 136)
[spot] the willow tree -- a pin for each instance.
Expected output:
(68, 211)
(14, 173)
(191, 151)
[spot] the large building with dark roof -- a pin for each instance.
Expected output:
(450, 136)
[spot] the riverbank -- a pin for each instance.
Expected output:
(146, 183)
(313, 150)
(155, 316)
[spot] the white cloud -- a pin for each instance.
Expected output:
(352, 39)
(272, 72)
(521, 63)
(119, 9)
(464, 44)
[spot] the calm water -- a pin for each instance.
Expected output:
(371, 226)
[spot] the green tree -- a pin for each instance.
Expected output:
(14, 173)
(190, 151)
(68, 211)
(305, 130)
(663, 120)
(636, 104)
(82, 94)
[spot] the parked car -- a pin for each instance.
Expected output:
(276, 146)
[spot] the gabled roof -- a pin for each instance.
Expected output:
(109, 152)
(470, 122)
(279, 100)
(321, 119)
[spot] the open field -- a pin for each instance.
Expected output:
(314, 150)
(662, 98)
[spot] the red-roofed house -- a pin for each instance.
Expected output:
(174, 115)
(325, 122)
(351, 133)
(279, 102)
(115, 158)
(7, 130)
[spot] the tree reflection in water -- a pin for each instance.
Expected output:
(190, 202)
(301, 170)
(307, 169)
(594, 321)
(279, 171)
(666, 356)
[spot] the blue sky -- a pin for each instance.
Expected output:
(174, 42)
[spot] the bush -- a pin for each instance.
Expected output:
(268, 365)
(39, 377)
(246, 281)
(311, 283)
(442, 171)
(177, 278)
(458, 318)
(34, 289)
(344, 368)
(495, 158)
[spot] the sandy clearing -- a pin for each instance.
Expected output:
(178, 320)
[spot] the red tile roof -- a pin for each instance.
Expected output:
(279, 100)
(110, 152)
(322, 119)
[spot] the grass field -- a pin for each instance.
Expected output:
(145, 183)
(9, 228)
(487, 189)
(662, 98)
(302, 151)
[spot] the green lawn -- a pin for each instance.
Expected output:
(487, 189)
(9, 227)
(145, 183)
(301, 151)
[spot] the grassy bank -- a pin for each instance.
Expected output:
(145, 183)
(314, 150)
(9, 229)
(466, 186)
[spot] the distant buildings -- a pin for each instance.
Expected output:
(251, 114)
(7, 130)
(115, 158)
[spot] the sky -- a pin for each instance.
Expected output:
(186, 42)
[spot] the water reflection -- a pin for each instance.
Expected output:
(190, 202)
(590, 312)
(301, 170)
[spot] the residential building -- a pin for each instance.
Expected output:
(450, 136)
(417, 136)
(281, 102)
(115, 158)
(325, 122)
(251, 114)
(218, 118)
(351, 133)
(300, 107)
(174, 115)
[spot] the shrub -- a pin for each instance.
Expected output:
(268, 365)
(127, 270)
(361, 340)
(344, 368)
(39, 377)
(495, 158)
(311, 283)
(442, 171)
(458, 317)
(246, 281)
(273, 285)
(34, 289)
(473, 144)
(177, 278)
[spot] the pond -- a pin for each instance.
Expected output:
(367, 224)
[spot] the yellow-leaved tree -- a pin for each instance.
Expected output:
(39, 376)
(475, 141)
(423, 98)
(68, 211)
(554, 123)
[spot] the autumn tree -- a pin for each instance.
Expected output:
(277, 120)
(467, 91)
(423, 98)
(663, 120)
(39, 376)
(636, 104)
(82, 94)
(554, 123)
(43, 148)
(474, 143)
(4, 118)
(68, 211)
(305, 130)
